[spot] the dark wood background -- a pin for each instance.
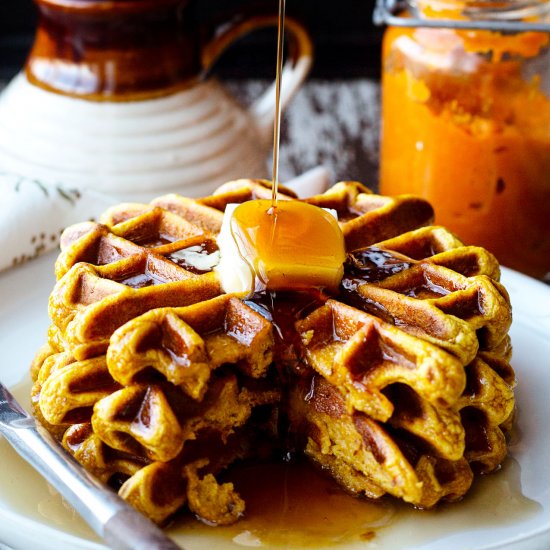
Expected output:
(347, 45)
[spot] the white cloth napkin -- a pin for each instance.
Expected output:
(33, 213)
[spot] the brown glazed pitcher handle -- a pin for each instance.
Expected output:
(295, 69)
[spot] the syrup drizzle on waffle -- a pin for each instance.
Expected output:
(277, 123)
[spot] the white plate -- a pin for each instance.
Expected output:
(510, 509)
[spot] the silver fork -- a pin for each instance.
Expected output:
(109, 516)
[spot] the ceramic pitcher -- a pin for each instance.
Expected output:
(116, 96)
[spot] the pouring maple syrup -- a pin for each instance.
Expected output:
(282, 245)
(277, 119)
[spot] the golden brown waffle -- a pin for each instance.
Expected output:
(108, 276)
(367, 218)
(157, 381)
(394, 413)
(424, 366)
(159, 489)
(150, 430)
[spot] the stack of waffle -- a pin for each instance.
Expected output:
(157, 381)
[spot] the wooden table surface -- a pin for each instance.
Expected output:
(331, 123)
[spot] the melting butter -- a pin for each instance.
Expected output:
(291, 247)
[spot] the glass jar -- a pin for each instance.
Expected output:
(466, 124)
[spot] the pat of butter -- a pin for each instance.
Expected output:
(234, 273)
(297, 247)
(198, 258)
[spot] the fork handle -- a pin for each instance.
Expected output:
(122, 527)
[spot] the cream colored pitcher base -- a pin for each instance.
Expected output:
(189, 142)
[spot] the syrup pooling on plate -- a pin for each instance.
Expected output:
(495, 501)
(294, 246)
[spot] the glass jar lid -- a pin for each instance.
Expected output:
(494, 15)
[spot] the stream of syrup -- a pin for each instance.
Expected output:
(277, 122)
(287, 245)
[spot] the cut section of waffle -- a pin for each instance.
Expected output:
(156, 381)
(426, 395)
(195, 378)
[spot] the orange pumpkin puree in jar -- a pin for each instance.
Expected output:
(466, 124)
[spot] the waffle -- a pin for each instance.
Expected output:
(157, 381)
(163, 389)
